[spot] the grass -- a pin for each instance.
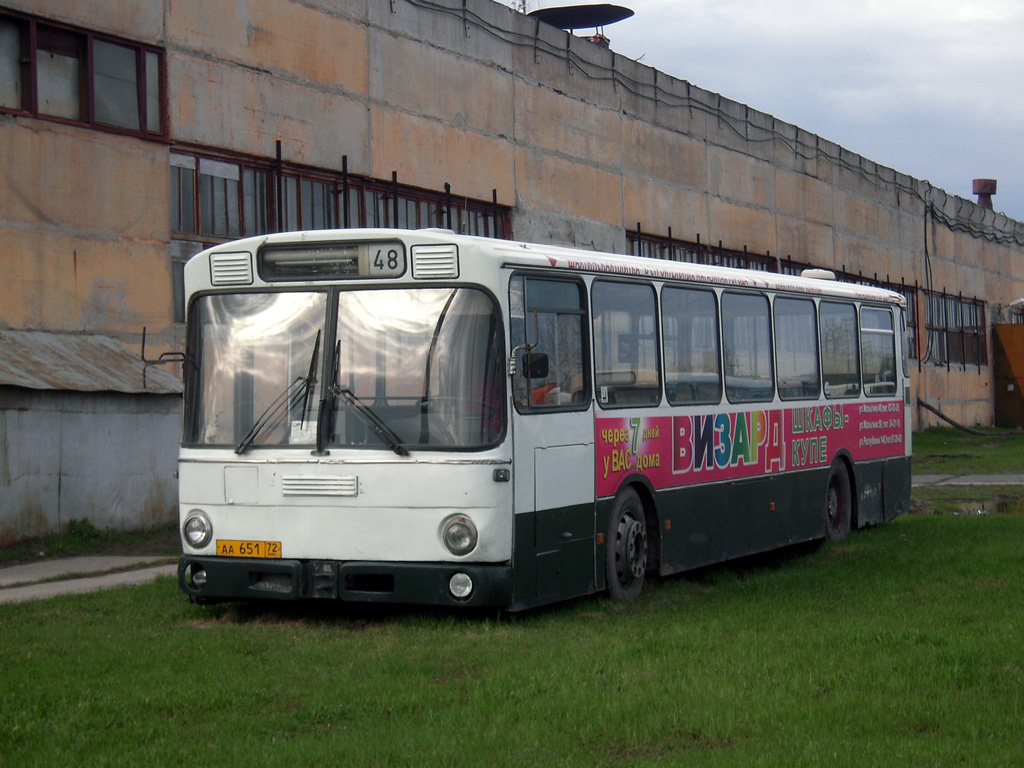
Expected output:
(83, 538)
(947, 451)
(897, 647)
(900, 646)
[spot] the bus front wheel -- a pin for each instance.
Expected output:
(838, 503)
(626, 553)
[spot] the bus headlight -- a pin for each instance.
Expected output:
(459, 534)
(197, 530)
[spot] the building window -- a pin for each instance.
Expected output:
(654, 247)
(181, 251)
(955, 329)
(116, 85)
(60, 74)
(254, 202)
(219, 197)
(307, 204)
(910, 341)
(183, 194)
(13, 64)
(74, 75)
(219, 211)
(216, 199)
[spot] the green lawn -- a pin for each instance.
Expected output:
(943, 450)
(900, 646)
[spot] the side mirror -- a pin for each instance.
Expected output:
(535, 365)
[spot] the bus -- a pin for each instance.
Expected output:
(420, 417)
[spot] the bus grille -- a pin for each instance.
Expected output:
(231, 269)
(312, 485)
(431, 262)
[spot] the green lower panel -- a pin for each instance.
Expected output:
(553, 556)
(896, 487)
(703, 525)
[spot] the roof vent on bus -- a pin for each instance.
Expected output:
(818, 274)
(435, 262)
(231, 268)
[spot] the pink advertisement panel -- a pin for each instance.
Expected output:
(701, 447)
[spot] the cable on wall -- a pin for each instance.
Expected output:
(976, 221)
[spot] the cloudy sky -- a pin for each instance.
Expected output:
(931, 88)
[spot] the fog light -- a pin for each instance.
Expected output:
(460, 585)
(198, 578)
(197, 530)
(459, 534)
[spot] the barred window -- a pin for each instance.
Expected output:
(955, 329)
(654, 247)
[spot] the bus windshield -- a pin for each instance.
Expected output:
(401, 369)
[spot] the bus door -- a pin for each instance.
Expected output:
(553, 441)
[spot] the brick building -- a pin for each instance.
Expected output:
(132, 134)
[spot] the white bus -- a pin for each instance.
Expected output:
(426, 418)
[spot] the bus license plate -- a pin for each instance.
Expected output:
(235, 548)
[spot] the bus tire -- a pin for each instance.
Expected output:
(627, 548)
(838, 503)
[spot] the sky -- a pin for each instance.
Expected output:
(931, 88)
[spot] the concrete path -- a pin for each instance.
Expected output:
(77, 575)
(918, 481)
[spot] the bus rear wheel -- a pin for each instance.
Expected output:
(838, 503)
(626, 553)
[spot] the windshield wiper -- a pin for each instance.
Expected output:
(299, 391)
(371, 420)
(307, 394)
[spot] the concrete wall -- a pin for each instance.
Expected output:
(70, 456)
(582, 143)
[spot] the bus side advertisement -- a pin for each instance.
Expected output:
(673, 451)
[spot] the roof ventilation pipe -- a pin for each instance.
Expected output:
(984, 189)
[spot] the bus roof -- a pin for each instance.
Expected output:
(576, 260)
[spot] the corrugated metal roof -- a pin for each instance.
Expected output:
(76, 363)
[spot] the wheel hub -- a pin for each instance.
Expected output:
(633, 548)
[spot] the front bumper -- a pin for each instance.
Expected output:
(359, 582)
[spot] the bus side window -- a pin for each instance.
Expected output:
(626, 365)
(840, 370)
(547, 336)
(878, 349)
(747, 343)
(689, 321)
(796, 349)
